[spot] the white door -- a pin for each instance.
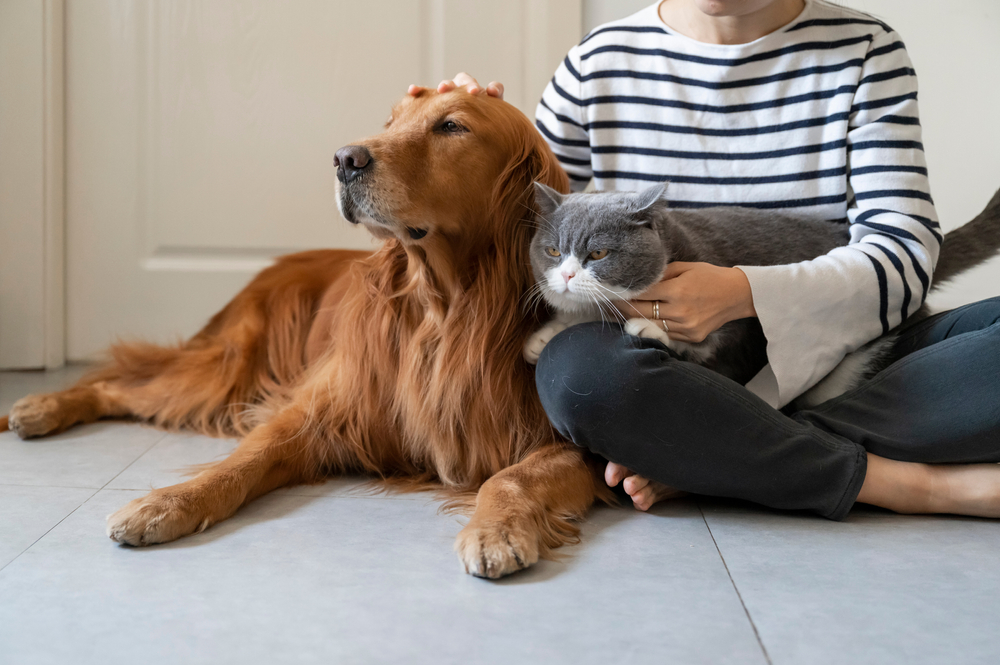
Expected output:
(200, 135)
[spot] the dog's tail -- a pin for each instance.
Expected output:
(969, 245)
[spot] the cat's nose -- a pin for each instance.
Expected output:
(567, 275)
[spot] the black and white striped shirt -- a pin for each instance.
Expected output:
(818, 118)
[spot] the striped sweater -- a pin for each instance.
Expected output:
(818, 118)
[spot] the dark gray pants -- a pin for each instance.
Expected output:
(630, 401)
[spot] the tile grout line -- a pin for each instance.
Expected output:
(62, 487)
(725, 565)
(141, 455)
(72, 512)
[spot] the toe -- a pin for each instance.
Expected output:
(634, 483)
(644, 499)
(614, 474)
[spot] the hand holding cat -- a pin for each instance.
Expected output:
(695, 299)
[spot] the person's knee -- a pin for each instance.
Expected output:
(586, 377)
(979, 315)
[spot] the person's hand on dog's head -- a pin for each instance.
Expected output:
(494, 89)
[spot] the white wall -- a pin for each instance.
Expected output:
(955, 48)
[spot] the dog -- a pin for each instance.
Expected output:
(403, 364)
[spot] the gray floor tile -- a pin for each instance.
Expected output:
(170, 461)
(877, 588)
(26, 513)
(317, 579)
(15, 385)
(85, 456)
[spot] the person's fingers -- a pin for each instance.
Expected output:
(681, 337)
(415, 90)
(495, 89)
(615, 473)
(471, 84)
(634, 484)
(675, 268)
(632, 309)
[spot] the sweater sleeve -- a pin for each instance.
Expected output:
(815, 312)
(560, 117)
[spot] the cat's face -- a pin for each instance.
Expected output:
(591, 248)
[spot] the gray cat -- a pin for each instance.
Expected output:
(591, 249)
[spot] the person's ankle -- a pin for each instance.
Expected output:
(939, 495)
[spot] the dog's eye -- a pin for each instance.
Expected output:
(552, 251)
(451, 127)
(598, 254)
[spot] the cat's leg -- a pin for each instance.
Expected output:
(701, 353)
(540, 338)
(649, 329)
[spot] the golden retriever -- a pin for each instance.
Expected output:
(404, 363)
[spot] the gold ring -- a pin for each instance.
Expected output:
(656, 309)
(665, 328)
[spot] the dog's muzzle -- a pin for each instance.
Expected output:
(352, 161)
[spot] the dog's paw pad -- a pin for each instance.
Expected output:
(495, 551)
(34, 415)
(157, 517)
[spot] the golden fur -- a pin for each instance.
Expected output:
(404, 363)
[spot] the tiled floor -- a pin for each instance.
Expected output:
(331, 574)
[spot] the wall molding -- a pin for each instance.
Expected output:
(32, 184)
(54, 146)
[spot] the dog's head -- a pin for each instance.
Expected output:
(449, 170)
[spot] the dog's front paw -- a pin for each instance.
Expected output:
(497, 549)
(35, 415)
(539, 339)
(647, 329)
(159, 517)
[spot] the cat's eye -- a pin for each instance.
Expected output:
(598, 254)
(552, 251)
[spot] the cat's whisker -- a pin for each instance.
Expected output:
(624, 318)
(611, 308)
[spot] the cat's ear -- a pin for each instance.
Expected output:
(546, 199)
(650, 196)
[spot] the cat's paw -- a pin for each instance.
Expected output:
(647, 329)
(539, 339)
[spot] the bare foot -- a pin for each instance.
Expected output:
(966, 489)
(644, 492)
(908, 487)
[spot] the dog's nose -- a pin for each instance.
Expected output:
(351, 161)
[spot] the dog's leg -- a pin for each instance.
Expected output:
(51, 413)
(278, 453)
(206, 387)
(526, 510)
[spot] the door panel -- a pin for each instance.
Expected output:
(200, 135)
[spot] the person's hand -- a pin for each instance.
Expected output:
(695, 300)
(494, 89)
(644, 492)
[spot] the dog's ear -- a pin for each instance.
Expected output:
(650, 196)
(546, 199)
